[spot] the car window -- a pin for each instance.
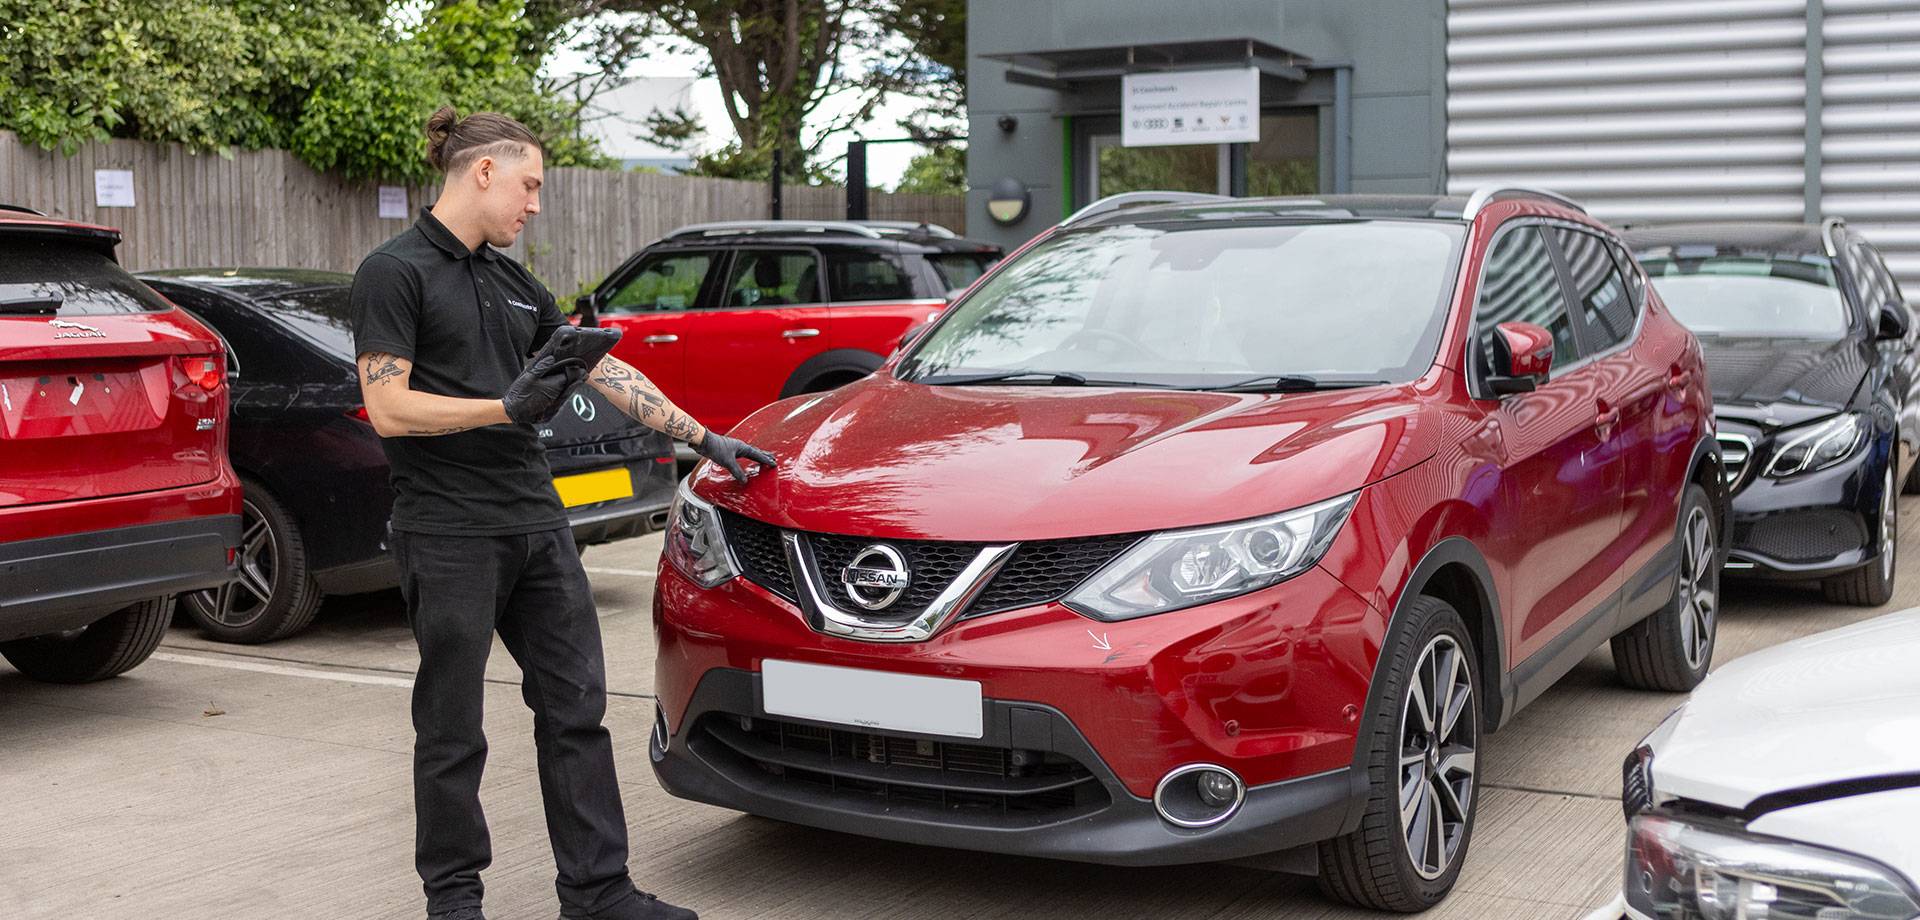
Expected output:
(772, 278)
(663, 282)
(1630, 270)
(322, 316)
(1519, 284)
(85, 281)
(864, 274)
(1208, 303)
(1872, 289)
(1604, 308)
(959, 269)
(1746, 292)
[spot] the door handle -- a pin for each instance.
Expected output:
(799, 333)
(1609, 416)
(1678, 378)
(661, 339)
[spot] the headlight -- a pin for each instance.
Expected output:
(695, 544)
(1818, 446)
(1682, 871)
(1182, 568)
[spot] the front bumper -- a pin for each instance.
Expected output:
(1807, 526)
(708, 762)
(1269, 685)
(53, 584)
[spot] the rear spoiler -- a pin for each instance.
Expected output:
(99, 239)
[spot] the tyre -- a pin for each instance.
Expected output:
(1420, 739)
(1872, 584)
(1672, 649)
(108, 646)
(275, 595)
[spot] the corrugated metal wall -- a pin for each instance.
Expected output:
(1661, 110)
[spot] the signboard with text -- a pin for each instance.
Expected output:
(1190, 107)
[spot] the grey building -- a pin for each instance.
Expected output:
(1647, 110)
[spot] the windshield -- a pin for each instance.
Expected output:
(1196, 305)
(1783, 295)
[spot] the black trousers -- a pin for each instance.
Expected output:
(532, 590)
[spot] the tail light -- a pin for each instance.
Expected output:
(360, 412)
(204, 370)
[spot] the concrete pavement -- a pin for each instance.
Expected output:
(222, 781)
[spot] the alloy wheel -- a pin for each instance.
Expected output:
(1437, 743)
(240, 602)
(1699, 597)
(1889, 535)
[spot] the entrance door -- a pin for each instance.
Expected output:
(1285, 161)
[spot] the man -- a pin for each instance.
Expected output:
(444, 326)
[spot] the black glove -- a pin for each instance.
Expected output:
(588, 345)
(725, 453)
(536, 395)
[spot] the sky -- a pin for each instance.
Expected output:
(667, 76)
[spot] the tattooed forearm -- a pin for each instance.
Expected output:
(682, 428)
(618, 376)
(381, 367)
(429, 432)
(641, 400)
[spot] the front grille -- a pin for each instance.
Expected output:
(1038, 571)
(1735, 451)
(1803, 536)
(757, 547)
(887, 773)
(933, 564)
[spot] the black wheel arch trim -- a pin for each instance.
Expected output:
(1497, 691)
(857, 361)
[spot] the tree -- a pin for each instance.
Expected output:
(776, 61)
(935, 31)
(942, 170)
(338, 82)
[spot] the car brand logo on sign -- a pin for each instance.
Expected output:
(75, 330)
(583, 407)
(876, 577)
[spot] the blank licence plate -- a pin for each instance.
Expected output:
(872, 699)
(599, 486)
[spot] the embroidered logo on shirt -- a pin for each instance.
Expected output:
(524, 306)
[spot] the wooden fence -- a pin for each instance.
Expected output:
(266, 208)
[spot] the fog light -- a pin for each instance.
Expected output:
(1198, 795)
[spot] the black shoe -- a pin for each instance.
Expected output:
(459, 913)
(643, 906)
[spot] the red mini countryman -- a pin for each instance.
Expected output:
(115, 490)
(1204, 529)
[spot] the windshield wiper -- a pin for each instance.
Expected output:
(30, 299)
(1041, 378)
(1287, 383)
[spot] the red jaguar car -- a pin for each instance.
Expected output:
(1205, 529)
(115, 490)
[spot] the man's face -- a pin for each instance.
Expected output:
(509, 194)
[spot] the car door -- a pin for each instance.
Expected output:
(874, 300)
(1631, 384)
(649, 301)
(1557, 507)
(767, 318)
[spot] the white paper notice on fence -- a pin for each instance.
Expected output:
(1190, 107)
(393, 202)
(113, 188)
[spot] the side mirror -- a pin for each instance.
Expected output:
(911, 336)
(587, 307)
(1522, 356)
(1895, 322)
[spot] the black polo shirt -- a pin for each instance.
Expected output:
(468, 320)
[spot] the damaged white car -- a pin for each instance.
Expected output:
(1787, 787)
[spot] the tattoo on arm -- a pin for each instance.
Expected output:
(381, 367)
(428, 432)
(618, 376)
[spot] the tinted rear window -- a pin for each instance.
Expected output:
(960, 269)
(87, 282)
(319, 315)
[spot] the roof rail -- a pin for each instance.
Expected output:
(1135, 199)
(1487, 195)
(22, 209)
(725, 227)
(911, 226)
(1826, 235)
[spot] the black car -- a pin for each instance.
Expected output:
(317, 499)
(1810, 353)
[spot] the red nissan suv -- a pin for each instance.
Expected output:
(1204, 529)
(115, 490)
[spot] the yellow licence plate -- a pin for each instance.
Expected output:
(588, 488)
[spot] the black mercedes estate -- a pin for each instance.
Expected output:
(1810, 354)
